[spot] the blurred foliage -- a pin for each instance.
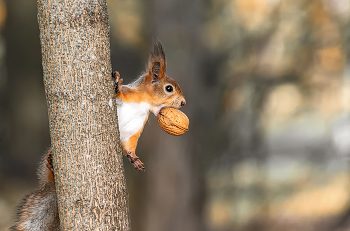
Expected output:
(127, 21)
(285, 85)
(267, 84)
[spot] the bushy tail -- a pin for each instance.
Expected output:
(38, 211)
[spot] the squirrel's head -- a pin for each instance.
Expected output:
(166, 92)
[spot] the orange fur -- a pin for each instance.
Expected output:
(129, 148)
(130, 145)
(146, 92)
(151, 88)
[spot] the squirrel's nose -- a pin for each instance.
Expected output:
(183, 102)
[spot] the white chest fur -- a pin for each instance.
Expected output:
(131, 117)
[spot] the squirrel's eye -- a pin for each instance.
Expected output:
(169, 88)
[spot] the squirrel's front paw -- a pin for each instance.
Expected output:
(136, 162)
(118, 82)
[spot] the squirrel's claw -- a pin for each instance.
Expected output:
(136, 162)
(139, 165)
(49, 165)
(118, 82)
(49, 161)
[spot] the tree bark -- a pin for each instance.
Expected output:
(87, 158)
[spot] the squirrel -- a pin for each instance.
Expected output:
(151, 92)
(38, 210)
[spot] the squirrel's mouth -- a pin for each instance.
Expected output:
(176, 103)
(157, 109)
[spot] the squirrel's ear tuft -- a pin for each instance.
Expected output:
(158, 50)
(157, 61)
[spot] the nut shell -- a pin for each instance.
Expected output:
(173, 121)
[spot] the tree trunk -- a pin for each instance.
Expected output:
(89, 173)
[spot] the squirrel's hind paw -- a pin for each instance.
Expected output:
(136, 162)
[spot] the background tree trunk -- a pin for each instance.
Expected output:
(173, 197)
(88, 165)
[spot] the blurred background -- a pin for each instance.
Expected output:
(267, 84)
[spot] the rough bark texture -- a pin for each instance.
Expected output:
(88, 165)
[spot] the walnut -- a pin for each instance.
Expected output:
(173, 121)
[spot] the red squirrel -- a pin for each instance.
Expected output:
(151, 92)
